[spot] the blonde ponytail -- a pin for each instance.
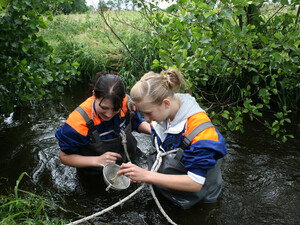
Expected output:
(157, 86)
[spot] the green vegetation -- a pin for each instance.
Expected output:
(241, 59)
(66, 6)
(29, 71)
(23, 207)
(89, 40)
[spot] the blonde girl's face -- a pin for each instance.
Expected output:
(154, 112)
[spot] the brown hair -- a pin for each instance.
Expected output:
(158, 86)
(109, 85)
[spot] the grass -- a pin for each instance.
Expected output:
(86, 39)
(23, 207)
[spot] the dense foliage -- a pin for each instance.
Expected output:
(29, 72)
(66, 6)
(239, 57)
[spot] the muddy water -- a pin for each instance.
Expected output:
(261, 176)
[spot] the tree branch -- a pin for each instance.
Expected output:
(298, 12)
(273, 16)
(100, 11)
(227, 57)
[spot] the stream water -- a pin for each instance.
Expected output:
(261, 175)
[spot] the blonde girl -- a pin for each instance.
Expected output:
(192, 174)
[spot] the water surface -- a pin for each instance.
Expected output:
(261, 175)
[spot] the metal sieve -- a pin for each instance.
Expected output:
(109, 172)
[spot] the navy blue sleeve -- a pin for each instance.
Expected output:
(203, 155)
(136, 120)
(70, 141)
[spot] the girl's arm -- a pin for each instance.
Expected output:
(176, 182)
(80, 161)
(144, 127)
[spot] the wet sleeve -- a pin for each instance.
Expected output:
(203, 155)
(70, 141)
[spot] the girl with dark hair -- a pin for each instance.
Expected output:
(90, 137)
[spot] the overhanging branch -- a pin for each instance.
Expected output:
(101, 13)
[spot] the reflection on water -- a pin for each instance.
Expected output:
(261, 176)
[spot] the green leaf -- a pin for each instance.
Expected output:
(227, 13)
(31, 14)
(184, 53)
(278, 36)
(57, 60)
(256, 112)
(278, 115)
(263, 92)
(284, 139)
(273, 83)
(264, 39)
(75, 64)
(259, 106)
(275, 91)
(179, 25)
(24, 62)
(225, 114)
(275, 123)
(284, 2)
(231, 125)
(255, 79)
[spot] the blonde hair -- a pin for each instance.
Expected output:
(157, 86)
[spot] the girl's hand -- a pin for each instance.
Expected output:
(135, 173)
(108, 157)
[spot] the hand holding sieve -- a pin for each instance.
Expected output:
(110, 172)
(113, 180)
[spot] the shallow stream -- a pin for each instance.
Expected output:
(261, 175)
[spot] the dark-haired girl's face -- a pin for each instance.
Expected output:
(105, 109)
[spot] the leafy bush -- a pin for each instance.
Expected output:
(238, 61)
(66, 6)
(29, 71)
(134, 64)
(90, 61)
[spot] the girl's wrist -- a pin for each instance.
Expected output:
(147, 177)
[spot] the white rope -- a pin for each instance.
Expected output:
(124, 142)
(154, 168)
(109, 208)
(159, 206)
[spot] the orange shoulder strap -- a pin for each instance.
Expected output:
(188, 139)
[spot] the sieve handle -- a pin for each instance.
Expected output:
(113, 180)
(108, 187)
